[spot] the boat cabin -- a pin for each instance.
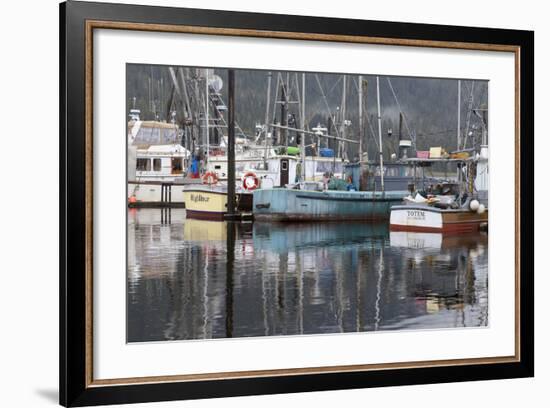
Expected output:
(155, 152)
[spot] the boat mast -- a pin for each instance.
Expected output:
(269, 75)
(189, 112)
(381, 150)
(459, 170)
(283, 133)
(303, 139)
(360, 118)
(206, 126)
(458, 119)
(343, 118)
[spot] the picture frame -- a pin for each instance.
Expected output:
(78, 20)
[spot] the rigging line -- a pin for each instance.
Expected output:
(336, 83)
(286, 89)
(326, 104)
(413, 139)
(274, 115)
(469, 115)
(298, 98)
(366, 115)
(315, 103)
(371, 130)
(439, 132)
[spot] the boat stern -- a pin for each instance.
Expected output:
(415, 218)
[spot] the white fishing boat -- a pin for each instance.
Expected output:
(431, 219)
(458, 207)
(156, 163)
(443, 207)
(281, 166)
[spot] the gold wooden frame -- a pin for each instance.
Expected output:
(99, 24)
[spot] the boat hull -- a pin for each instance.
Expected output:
(420, 218)
(149, 194)
(205, 204)
(302, 205)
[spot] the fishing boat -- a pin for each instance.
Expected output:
(156, 163)
(450, 207)
(444, 207)
(431, 219)
(209, 202)
(276, 171)
(350, 195)
(307, 205)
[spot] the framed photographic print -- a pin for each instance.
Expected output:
(255, 203)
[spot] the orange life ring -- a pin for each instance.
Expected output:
(250, 181)
(209, 178)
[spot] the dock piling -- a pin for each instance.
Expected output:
(231, 145)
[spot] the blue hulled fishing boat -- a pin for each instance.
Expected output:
(283, 204)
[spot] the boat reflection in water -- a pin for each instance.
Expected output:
(288, 279)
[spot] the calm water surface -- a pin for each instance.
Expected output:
(288, 279)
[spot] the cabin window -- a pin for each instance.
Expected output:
(284, 165)
(156, 164)
(169, 136)
(143, 164)
(157, 135)
(177, 165)
(218, 167)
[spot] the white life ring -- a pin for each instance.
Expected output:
(251, 181)
(210, 178)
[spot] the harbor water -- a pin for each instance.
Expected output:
(191, 279)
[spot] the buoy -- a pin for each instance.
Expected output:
(250, 181)
(481, 209)
(474, 205)
(132, 199)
